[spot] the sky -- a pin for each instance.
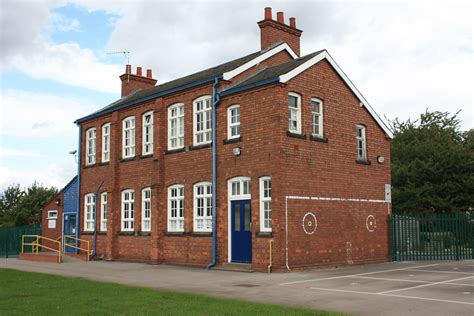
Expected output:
(56, 66)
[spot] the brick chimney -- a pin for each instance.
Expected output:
(133, 82)
(273, 32)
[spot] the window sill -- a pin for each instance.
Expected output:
(128, 159)
(233, 140)
(146, 156)
(88, 166)
(196, 147)
(319, 139)
(102, 233)
(177, 234)
(363, 162)
(264, 234)
(104, 163)
(294, 135)
(127, 233)
(201, 234)
(87, 233)
(175, 151)
(144, 233)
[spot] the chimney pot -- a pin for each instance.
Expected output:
(268, 13)
(139, 71)
(128, 69)
(149, 73)
(293, 23)
(280, 17)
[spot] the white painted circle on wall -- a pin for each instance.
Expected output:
(310, 223)
(370, 223)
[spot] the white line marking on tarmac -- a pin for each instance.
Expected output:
(424, 285)
(393, 295)
(405, 280)
(442, 271)
(359, 274)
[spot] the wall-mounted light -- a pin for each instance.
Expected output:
(58, 201)
(236, 151)
(380, 159)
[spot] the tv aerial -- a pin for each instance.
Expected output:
(124, 52)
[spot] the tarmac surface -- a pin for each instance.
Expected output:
(396, 288)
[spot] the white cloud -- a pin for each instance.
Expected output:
(51, 175)
(11, 152)
(32, 115)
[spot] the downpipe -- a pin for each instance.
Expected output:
(215, 101)
(79, 156)
(95, 218)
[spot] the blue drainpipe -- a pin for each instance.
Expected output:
(79, 156)
(215, 101)
(95, 218)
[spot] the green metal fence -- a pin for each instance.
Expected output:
(447, 236)
(10, 239)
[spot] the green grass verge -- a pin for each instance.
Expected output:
(27, 293)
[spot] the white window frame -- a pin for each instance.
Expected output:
(233, 122)
(91, 134)
(89, 212)
(51, 216)
(128, 137)
(265, 204)
(103, 211)
(239, 188)
(202, 127)
(176, 223)
(146, 210)
(128, 204)
(294, 114)
(202, 204)
(106, 142)
(361, 143)
(176, 133)
(317, 119)
(147, 133)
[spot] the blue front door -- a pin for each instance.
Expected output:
(70, 230)
(241, 230)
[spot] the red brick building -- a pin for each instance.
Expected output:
(300, 159)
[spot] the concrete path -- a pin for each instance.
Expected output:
(415, 288)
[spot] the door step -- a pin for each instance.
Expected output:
(237, 267)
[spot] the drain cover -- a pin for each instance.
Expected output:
(246, 285)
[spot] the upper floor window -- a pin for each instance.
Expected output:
(106, 142)
(317, 117)
(203, 207)
(90, 146)
(265, 204)
(128, 201)
(52, 214)
(202, 120)
(103, 211)
(361, 143)
(147, 133)
(176, 126)
(239, 187)
(294, 113)
(146, 210)
(176, 208)
(233, 121)
(128, 137)
(89, 211)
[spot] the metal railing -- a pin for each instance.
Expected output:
(77, 244)
(445, 236)
(38, 242)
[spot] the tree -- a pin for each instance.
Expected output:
(20, 207)
(432, 164)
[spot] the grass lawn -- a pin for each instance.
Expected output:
(26, 293)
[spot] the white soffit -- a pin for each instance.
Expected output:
(275, 50)
(325, 55)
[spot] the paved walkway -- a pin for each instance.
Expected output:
(415, 288)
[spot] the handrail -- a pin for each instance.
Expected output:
(270, 256)
(88, 250)
(36, 244)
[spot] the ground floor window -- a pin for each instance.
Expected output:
(176, 208)
(203, 207)
(89, 212)
(128, 199)
(146, 210)
(265, 204)
(103, 212)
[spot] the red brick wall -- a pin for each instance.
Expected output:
(296, 166)
(52, 233)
